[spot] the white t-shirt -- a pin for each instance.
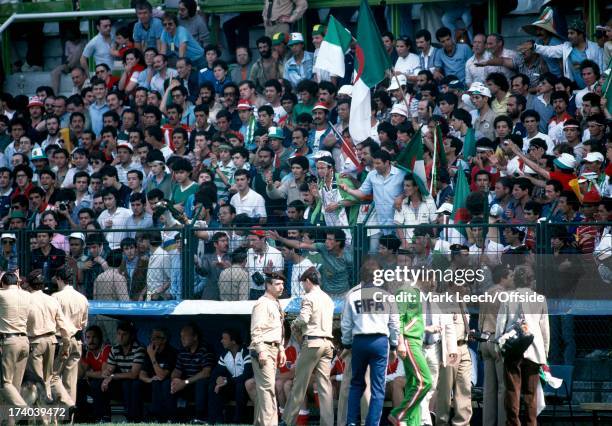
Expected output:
(119, 218)
(252, 204)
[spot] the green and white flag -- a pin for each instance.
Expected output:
(410, 160)
(370, 70)
(336, 43)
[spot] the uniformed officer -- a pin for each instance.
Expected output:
(44, 319)
(455, 380)
(266, 347)
(314, 323)
(370, 327)
(410, 349)
(75, 308)
(14, 309)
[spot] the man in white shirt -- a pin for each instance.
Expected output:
(113, 218)
(531, 121)
(246, 200)
(299, 264)
(162, 73)
(261, 259)
(159, 270)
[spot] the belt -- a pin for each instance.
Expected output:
(317, 337)
(275, 344)
(49, 334)
(461, 342)
(78, 335)
(7, 335)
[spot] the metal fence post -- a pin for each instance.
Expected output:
(187, 236)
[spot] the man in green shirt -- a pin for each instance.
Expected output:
(336, 262)
(183, 186)
(410, 349)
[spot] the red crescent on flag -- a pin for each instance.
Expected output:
(360, 57)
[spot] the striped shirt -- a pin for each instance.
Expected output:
(123, 363)
(190, 363)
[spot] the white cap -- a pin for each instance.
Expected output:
(126, 145)
(496, 210)
(7, 236)
(295, 38)
(400, 109)
(479, 89)
(77, 236)
(394, 80)
(347, 89)
(591, 157)
(566, 161)
(445, 208)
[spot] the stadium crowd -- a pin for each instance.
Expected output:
(254, 155)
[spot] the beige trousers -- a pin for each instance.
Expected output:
(266, 412)
(14, 360)
(455, 380)
(317, 360)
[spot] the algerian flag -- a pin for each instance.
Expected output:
(460, 212)
(411, 161)
(369, 72)
(335, 44)
(469, 144)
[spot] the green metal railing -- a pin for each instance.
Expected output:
(543, 261)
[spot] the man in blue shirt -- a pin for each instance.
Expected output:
(299, 66)
(451, 59)
(385, 183)
(99, 107)
(148, 30)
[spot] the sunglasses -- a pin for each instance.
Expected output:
(7, 241)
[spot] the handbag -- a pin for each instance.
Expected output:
(517, 339)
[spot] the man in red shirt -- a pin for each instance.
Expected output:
(564, 165)
(91, 366)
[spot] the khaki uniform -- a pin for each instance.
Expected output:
(274, 9)
(44, 320)
(494, 387)
(456, 380)
(315, 325)
(75, 308)
(14, 309)
(266, 338)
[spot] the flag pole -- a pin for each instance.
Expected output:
(433, 167)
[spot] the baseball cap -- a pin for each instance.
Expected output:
(276, 133)
(400, 109)
(295, 38)
(77, 236)
(479, 89)
(591, 157)
(320, 105)
(126, 145)
(257, 231)
(318, 30)
(35, 101)
(8, 236)
(17, 214)
(565, 161)
(445, 208)
(243, 105)
(394, 82)
(279, 38)
(347, 89)
(38, 154)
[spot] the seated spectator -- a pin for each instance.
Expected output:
(120, 377)
(228, 379)
(159, 362)
(194, 22)
(93, 365)
(191, 375)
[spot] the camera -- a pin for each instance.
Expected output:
(258, 279)
(63, 207)
(480, 336)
